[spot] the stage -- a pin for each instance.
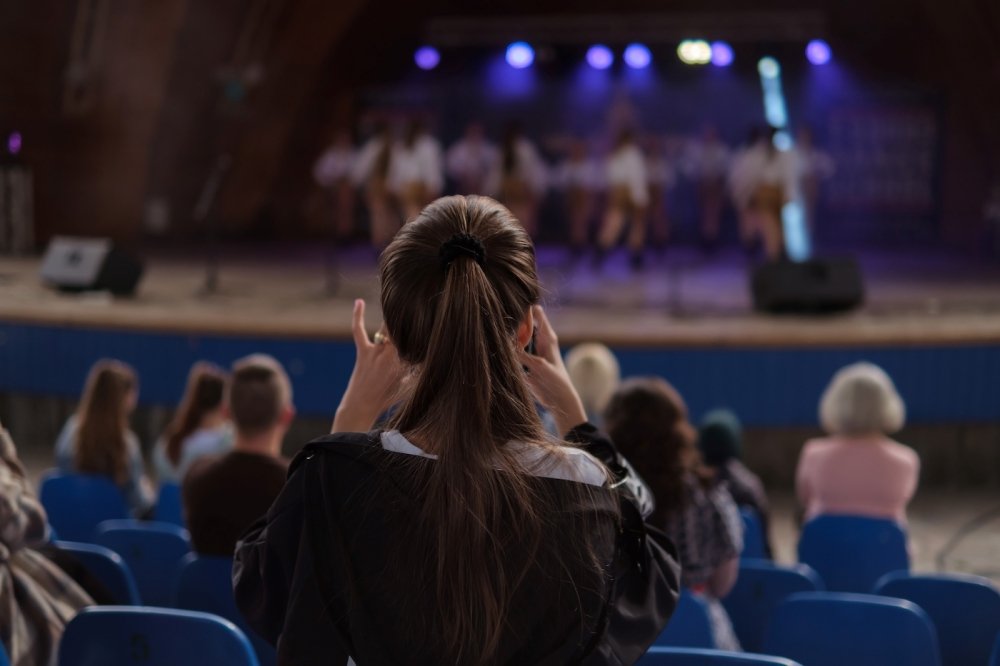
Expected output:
(929, 316)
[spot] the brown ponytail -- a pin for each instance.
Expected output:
(648, 421)
(454, 317)
(103, 421)
(206, 388)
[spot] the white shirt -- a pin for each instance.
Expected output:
(419, 163)
(757, 166)
(528, 167)
(364, 162)
(333, 165)
(580, 174)
(627, 168)
(472, 161)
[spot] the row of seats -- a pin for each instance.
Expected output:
(949, 619)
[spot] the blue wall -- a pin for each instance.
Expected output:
(766, 386)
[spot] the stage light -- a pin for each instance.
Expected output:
(694, 52)
(722, 54)
(14, 143)
(427, 57)
(818, 52)
(768, 68)
(520, 55)
(637, 56)
(600, 56)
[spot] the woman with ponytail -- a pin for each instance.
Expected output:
(462, 534)
(648, 421)
(97, 439)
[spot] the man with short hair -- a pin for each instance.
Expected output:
(224, 495)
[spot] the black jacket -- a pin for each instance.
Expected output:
(346, 499)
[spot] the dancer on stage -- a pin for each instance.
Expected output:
(707, 164)
(332, 172)
(762, 180)
(522, 177)
(416, 172)
(815, 165)
(370, 172)
(662, 174)
(628, 199)
(580, 179)
(471, 160)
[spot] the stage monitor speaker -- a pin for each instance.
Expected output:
(90, 264)
(817, 285)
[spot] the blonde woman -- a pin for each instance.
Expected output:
(858, 469)
(594, 371)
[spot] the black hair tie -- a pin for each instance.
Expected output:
(462, 245)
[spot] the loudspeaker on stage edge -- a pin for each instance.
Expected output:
(90, 264)
(814, 286)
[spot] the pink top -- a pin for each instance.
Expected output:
(873, 477)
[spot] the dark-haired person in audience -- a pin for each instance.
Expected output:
(858, 469)
(720, 440)
(647, 419)
(201, 426)
(37, 598)
(97, 439)
(224, 495)
(463, 534)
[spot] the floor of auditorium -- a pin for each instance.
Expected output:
(681, 297)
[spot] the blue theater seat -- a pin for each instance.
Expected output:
(841, 629)
(690, 626)
(77, 503)
(850, 553)
(153, 551)
(753, 536)
(117, 635)
(965, 611)
(760, 587)
(107, 567)
(663, 656)
(168, 505)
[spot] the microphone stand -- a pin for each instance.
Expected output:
(204, 215)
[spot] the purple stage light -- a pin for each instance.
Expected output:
(818, 52)
(600, 56)
(637, 56)
(427, 57)
(722, 54)
(14, 143)
(520, 55)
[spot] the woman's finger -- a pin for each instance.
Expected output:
(361, 340)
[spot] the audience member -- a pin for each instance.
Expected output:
(595, 374)
(720, 440)
(37, 598)
(648, 420)
(858, 469)
(464, 534)
(223, 495)
(200, 427)
(97, 439)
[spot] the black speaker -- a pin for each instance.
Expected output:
(90, 264)
(817, 285)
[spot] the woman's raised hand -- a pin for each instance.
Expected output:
(548, 378)
(375, 381)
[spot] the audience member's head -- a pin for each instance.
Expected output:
(260, 401)
(648, 420)
(108, 400)
(203, 398)
(594, 371)
(720, 437)
(861, 401)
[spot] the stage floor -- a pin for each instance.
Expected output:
(681, 298)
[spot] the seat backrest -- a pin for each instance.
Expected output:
(168, 505)
(666, 656)
(760, 587)
(850, 553)
(205, 584)
(753, 536)
(77, 503)
(690, 625)
(836, 628)
(995, 657)
(965, 611)
(107, 567)
(153, 551)
(103, 635)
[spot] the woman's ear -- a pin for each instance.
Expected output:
(525, 329)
